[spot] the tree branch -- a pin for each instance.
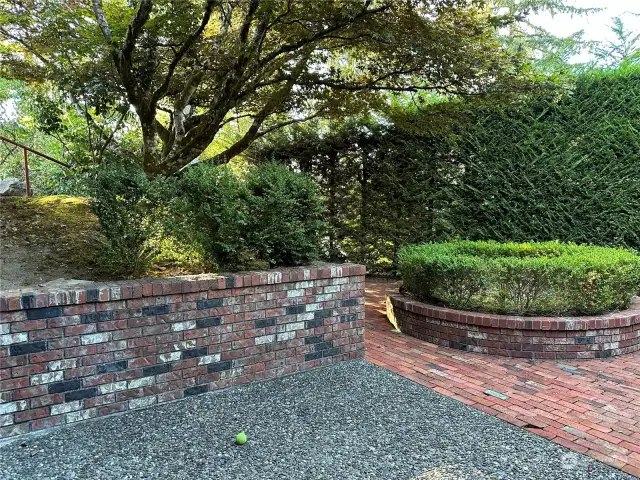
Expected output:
(162, 89)
(162, 131)
(135, 28)
(254, 133)
(110, 137)
(321, 34)
(102, 20)
(248, 20)
(29, 48)
(268, 109)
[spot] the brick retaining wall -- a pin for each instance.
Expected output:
(600, 336)
(70, 355)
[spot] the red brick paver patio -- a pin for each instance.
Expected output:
(590, 406)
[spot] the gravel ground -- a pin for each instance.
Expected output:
(349, 421)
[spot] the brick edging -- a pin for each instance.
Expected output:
(600, 336)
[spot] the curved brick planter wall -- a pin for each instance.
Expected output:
(519, 337)
(69, 355)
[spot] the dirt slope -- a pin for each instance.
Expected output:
(46, 238)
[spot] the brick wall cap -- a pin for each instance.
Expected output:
(94, 292)
(630, 316)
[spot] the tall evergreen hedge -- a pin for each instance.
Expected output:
(566, 169)
(564, 166)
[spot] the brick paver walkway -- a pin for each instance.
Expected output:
(590, 406)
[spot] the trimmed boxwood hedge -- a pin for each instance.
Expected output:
(547, 278)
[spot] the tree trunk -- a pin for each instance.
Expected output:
(149, 148)
(331, 204)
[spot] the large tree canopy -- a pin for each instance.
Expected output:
(188, 68)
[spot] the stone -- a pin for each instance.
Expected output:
(66, 283)
(493, 393)
(12, 187)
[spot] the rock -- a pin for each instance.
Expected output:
(66, 283)
(12, 187)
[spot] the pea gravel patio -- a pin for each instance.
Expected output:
(348, 421)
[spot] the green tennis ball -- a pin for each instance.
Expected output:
(241, 438)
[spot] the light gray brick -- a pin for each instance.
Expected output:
(13, 406)
(112, 387)
(274, 277)
(142, 402)
(95, 338)
(234, 372)
(81, 415)
(140, 382)
(478, 335)
(115, 293)
(499, 395)
(44, 378)
(6, 420)
(169, 357)
(295, 293)
(264, 339)
(118, 345)
(181, 326)
(179, 346)
(281, 337)
(295, 326)
(209, 359)
(336, 271)
(13, 338)
(66, 407)
(63, 364)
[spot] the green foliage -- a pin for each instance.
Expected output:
(522, 278)
(548, 53)
(268, 216)
(122, 205)
(214, 213)
(624, 49)
(285, 222)
(207, 218)
(563, 168)
(40, 117)
(187, 69)
(556, 166)
(382, 184)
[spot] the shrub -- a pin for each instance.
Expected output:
(213, 213)
(270, 216)
(207, 218)
(522, 278)
(285, 224)
(121, 204)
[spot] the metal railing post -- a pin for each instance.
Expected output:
(26, 171)
(26, 160)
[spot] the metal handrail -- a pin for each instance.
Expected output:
(27, 149)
